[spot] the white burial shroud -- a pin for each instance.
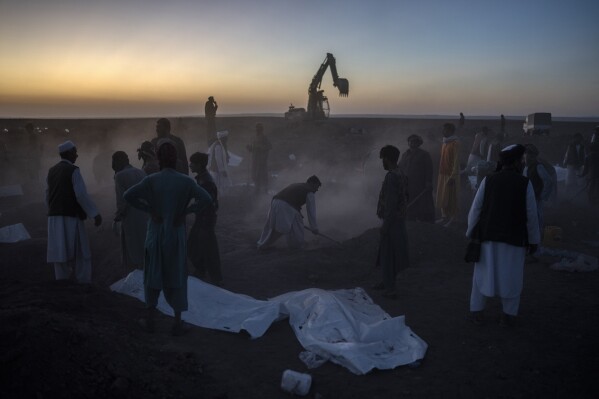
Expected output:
(13, 233)
(342, 326)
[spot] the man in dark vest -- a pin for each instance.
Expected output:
(503, 217)
(285, 218)
(68, 206)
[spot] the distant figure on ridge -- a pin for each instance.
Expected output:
(285, 217)
(202, 245)
(34, 153)
(165, 196)
(391, 209)
(68, 206)
(418, 167)
(448, 183)
(462, 119)
(131, 222)
(502, 123)
(163, 134)
(210, 114)
(260, 148)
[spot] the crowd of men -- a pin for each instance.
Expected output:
(505, 219)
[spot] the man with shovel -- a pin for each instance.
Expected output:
(285, 218)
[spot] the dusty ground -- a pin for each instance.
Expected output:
(67, 340)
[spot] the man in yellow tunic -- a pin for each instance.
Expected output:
(448, 182)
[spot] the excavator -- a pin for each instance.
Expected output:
(318, 103)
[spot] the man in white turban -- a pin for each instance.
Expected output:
(68, 206)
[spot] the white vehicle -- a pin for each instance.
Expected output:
(537, 123)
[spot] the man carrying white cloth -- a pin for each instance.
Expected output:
(68, 206)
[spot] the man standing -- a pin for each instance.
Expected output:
(202, 246)
(541, 180)
(391, 209)
(210, 114)
(285, 217)
(574, 160)
(448, 183)
(218, 161)
(502, 123)
(165, 196)
(503, 218)
(163, 134)
(591, 169)
(68, 206)
(418, 167)
(34, 153)
(147, 154)
(260, 148)
(133, 222)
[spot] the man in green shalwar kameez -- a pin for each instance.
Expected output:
(166, 196)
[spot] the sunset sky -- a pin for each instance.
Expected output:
(149, 58)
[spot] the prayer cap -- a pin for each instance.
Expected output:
(512, 153)
(221, 134)
(66, 146)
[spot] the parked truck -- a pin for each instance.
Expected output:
(537, 123)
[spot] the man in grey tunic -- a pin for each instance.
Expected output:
(68, 206)
(133, 222)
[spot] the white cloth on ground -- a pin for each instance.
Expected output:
(343, 326)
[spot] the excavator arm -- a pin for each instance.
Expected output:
(318, 103)
(340, 83)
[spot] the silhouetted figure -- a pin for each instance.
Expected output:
(285, 214)
(218, 161)
(260, 148)
(462, 119)
(502, 123)
(595, 136)
(147, 154)
(503, 217)
(202, 245)
(34, 153)
(391, 209)
(574, 160)
(68, 206)
(418, 168)
(448, 182)
(103, 158)
(131, 222)
(163, 134)
(210, 114)
(591, 172)
(166, 196)
(541, 180)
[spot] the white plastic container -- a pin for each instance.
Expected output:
(296, 383)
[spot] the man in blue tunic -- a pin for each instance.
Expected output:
(166, 196)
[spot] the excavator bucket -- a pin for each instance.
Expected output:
(343, 86)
